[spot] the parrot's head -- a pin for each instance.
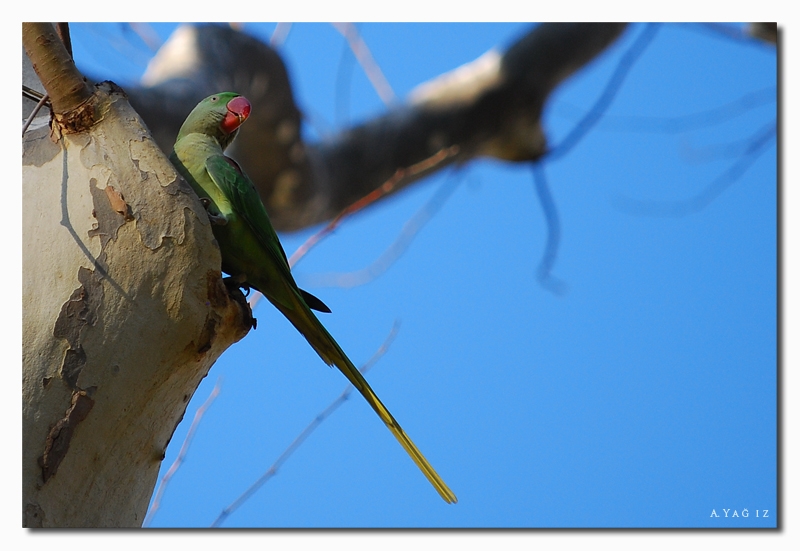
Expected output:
(219, 116)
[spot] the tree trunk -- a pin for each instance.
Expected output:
(124, 312)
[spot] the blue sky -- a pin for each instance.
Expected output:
(643, 397)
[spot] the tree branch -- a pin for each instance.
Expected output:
(53, 63)
(490, 107)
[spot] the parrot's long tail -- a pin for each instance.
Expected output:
(330, 352)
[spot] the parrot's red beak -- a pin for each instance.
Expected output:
(238, 111)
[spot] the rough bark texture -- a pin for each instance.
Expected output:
(124, 312)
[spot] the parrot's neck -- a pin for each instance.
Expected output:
(195, 148)
(191, 152)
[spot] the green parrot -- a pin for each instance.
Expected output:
(251, 252)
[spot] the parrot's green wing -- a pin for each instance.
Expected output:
(245, 202)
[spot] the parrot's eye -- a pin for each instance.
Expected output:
(214, 98)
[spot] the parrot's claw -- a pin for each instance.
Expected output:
(216, 219)
(239, 282)
(235, 284)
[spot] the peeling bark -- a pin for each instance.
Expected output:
(60, 436)
(124, 313)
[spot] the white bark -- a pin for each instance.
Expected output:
(124, 312)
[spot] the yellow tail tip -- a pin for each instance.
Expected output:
(449, 497)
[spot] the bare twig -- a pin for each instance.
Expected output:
(122, 42)
(31, 94)
(279, 34)
(297, 442)
(344, 75)
(396, 249)
(728, 150)
(367, 62)
(701, 200)
(182, 454)
(685, 123)
(147, 35)
(370, 198)
(253, 299)
(615, 82)
(44, 99)
(543, 272)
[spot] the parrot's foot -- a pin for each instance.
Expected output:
(238, 282)
(216, 219)
(235, 286)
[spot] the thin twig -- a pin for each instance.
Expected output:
(344, 74)
(373, 196)
(698, 202)
(685, 123)
(544, 271)
(367, 62)
(31, 94)
(279, 34)
(729, 150)
(410, 229)
(580, 130)
(182, 454)
(324, 414)
(609, 93)
(33, 114)
(120, 39)
(147, 35)
(255, 296)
